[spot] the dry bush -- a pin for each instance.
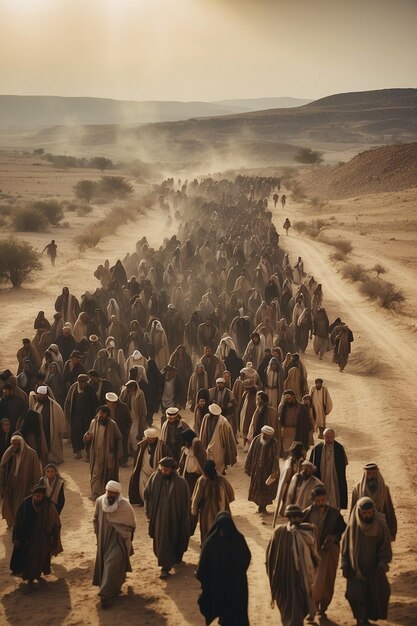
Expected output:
(29, 220)
(52, 210)
(379, 269)
(106, 226)
(344, 246)
(354, 272)
(387, 294)
(311, 229)
(300, 226)
(18, 260)
(338, 256)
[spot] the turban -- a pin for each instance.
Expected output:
(42, 390)
(366, 504)
(220, 380)
(150, 432)
(16, 438)
(215, 409)
(248, 383)
(168, 461)
(82, 378)
(319, 490)
(93, 338)
(171, 307)
(289, 392)
(292, 510)
(172, 411)
(267, 430)
(111, 397)
(308, 464)
(112, 485)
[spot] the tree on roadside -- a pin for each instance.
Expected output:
(85, 190)
(18, 260)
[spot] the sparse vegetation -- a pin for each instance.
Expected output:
(29, 220)
(354, 272)
(85, 190)
(379, 269)
(344, 246)
(387, 294)
(106, 226)
(63, 161)
(311, 229)
(101, 163)
(308, 156)
(113, 187)
(18, 260)
(52, 210)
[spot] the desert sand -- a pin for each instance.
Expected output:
(373, 418)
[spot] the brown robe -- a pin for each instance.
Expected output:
(209, 498)
(105, 452)
(16, 484)
(262, 462)
(161, 450)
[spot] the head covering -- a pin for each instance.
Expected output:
(112, 397)
(82, 378)
(188, 435)
(168, 461)
(42, 390)
(16, 437)
(75, 353)
(172, 410)
(150, 432)
(214, 409)
(319, 490)
(38, 488)
(371, 466)
(289, 392)
(220, 380)
(209, 469)
(318, 380)
(292, 510)
(365, 504)
(93, 338)
(267, 430)
(248, 383)
(171, 306)
(113, 485)
(308, 464)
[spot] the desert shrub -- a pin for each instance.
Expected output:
(83, 210)
(106, 226)
(30, 220)
(51, 209)
(343, 246)
(338, 256)
(18, 260)
(379, 269)
(115, 186)
(387, 294)
(101, 163)
(62, 161)
(300, 226)
(38, 151)
(85, 190)
(354, 272)
(311, 229)
(308, 156)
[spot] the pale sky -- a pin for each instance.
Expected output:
(206, 49)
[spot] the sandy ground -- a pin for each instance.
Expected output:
(372, 417)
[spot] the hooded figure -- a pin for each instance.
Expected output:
(224, 560)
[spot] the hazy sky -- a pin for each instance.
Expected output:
(206, 49)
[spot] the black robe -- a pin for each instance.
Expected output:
(340, 462)
(222, 574)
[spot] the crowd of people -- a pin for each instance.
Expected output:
(182, 358)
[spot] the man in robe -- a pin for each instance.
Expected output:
(320, 332)
(106, 450)
(72, 369)
(20, 469)
(262, 465)
(212, 493)
(171, 431)
(36, 537)
(119, 413)
(100, 385)
(223, 396)
(167, 507)
(264, 415)
(330, 526)
(171, 390)
(53, 422)
(341, 337)
(27, 351)
(291, 561)
(330, 460)
(302, 484)
(294, 421)
(192, 458)
(181, 360)
(366, 554)
(207, 336)
(12, 406)
(114, 526)
(246, 408)
(274, 382)
(66, 342)
(213, 365)
(218, 439)
(198, 380)
(68, 306)
(322, 404)
(133, 396)
(79, 408)
(148, 455)
(373, 486)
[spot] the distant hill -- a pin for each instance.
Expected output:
(387, 168)
(41, 111)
